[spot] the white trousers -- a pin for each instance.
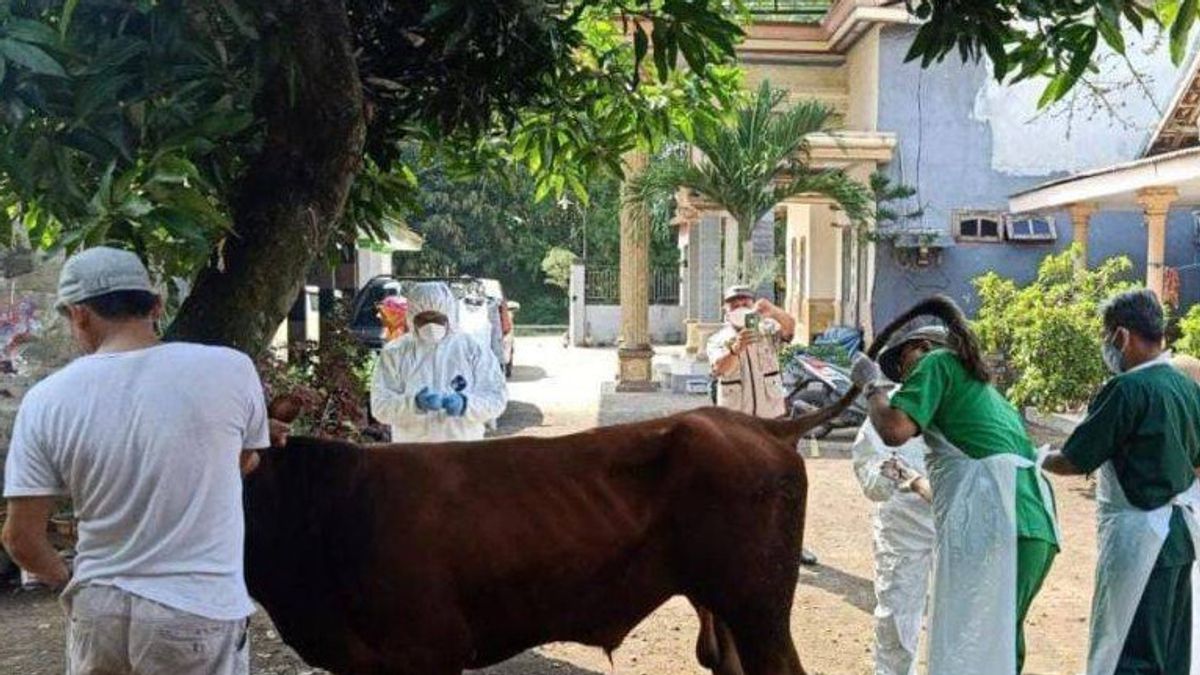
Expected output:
(901, 587)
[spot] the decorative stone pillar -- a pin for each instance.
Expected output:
(763, 251)
(1156, 202)
(634, 356)
(733, 247)
(686, 219)
(1081, 217)
(709, 284)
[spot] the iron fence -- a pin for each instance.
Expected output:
(602, 286)
(803, 11)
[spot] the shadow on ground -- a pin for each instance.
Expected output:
(857, 591)
(527, 374)
(518, 417)
(532, 663)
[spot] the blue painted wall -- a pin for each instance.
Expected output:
(945, 154)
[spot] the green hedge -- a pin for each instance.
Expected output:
(1048, 332)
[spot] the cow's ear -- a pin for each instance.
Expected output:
(285, 408)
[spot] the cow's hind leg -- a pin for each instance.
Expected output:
(765, 646)
(715, 646)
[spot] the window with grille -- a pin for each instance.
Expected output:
(979, 226)
(1031, 228)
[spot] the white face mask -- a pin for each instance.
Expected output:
(1112, 357)
(431, 332)
(737, 317)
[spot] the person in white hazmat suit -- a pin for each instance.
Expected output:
(903, 540)
(436, 383)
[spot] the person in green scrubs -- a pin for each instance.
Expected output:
(1146, 422)
(946, 386)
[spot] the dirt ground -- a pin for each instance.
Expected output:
(556, 390)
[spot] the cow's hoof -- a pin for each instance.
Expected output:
(807, 558)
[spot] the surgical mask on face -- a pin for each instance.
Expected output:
(737, 317)
(1112, 357)
(431, 332)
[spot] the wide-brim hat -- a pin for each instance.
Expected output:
(889, 358)
(738, 291)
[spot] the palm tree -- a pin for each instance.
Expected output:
(753, 159)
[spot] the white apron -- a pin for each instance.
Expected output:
(1129, 541)
(973, 624)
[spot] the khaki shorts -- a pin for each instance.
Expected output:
(113, 632)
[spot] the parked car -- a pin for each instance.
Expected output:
(479, 314)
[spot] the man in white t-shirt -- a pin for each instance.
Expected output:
(146, 438)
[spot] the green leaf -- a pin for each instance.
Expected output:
(1111, 32)
(1181, 29)
(32, 57)
(228, 124)
(237, 15)
(98, 91)
(659, 37)
(174, 169)
(64, 18)
(640, 44)
(34, 32)
(1084, 48)
(1134, 17)
(116, 53)
(1166, 11)
(135, 206)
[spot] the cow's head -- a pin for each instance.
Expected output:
(281, 412)
(285, 408)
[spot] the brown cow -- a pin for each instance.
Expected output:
(428, 559)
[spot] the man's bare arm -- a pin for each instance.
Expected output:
(727, 364)
(1057, 463)
(25, 539)
(787, 322)
(895, 427)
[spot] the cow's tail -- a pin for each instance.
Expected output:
(937, 306)
(791, 430)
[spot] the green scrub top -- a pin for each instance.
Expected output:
(975, 417)
(1147, 421)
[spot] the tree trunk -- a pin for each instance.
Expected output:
(292, 195)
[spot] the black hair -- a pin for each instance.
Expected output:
(1137, 311)
(962, 340)
(122, 305)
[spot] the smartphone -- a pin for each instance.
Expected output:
(753, 321)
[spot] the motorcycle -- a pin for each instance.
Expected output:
(815, 383)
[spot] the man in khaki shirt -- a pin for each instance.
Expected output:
(745, 354)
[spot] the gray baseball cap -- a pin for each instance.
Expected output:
(97, 271)
(738, 291)
(889, 359)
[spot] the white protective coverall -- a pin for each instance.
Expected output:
(457, 362)
(903, 539)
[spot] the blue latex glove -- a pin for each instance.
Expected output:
(428, 401)
(454, 404)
